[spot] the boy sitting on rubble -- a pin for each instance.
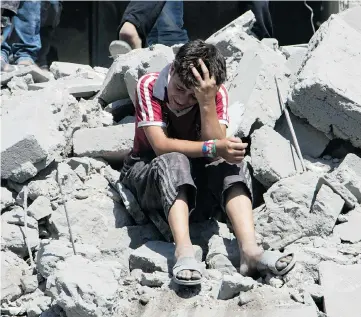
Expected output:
(182, 164)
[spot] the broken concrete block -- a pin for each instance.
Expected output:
(350, 230)
(20, 83)
(325, 211)
(12, 270)
(271, 43)
(38, 75)
(311, 141)
(328, 97)
(6, 198)
(255, 87)
(295, 56)
(62, 69)
(137, 62)
(286, 217)
(40, 208)
(235, 111)
(111, 143)
(232, 285)
(48, 188)
(29, 283)
(16, 216)
(51, 252)
(30, 145)
(157, 256)
(342, 289)
(12, 238)
(273, 157)
(351, 17)
(155, 279)
(90, 218)
(86, 288)
(78, 87)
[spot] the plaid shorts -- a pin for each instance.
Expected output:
(155, 184)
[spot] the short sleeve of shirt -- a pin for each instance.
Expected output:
(148, 109)
(222, 105)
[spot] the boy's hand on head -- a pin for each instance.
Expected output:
(206, 90)
(231, 149)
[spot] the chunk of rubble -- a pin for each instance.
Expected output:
(90, 218)
(29, 283)
(133, 65)
(288, 203)
(40, 208)
(273, 157)
(12, 270)
(295, 56)
(32, 145)
(350, 230)
(111, 143)
(311, 141)
(63, 69)
(255, 87)
(6, 198)
(85, 288)
(352, 15)
(51, 252)
(157, 256)
(156, 279)
(342, 289)
(329, 97)
(20, 83)
(38, 75)
(232, 285)
(16, 216)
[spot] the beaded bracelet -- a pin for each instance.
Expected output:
(209, 149)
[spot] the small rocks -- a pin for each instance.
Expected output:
(232, 285)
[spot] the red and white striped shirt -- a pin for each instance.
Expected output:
(151, 110)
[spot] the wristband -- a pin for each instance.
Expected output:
(209, 149)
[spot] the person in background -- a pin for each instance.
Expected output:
(26, 45)
(168, 30)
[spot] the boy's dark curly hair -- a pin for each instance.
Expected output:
(190, 53)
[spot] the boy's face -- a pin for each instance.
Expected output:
(179, 96)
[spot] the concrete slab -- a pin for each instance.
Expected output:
(327, 92)
(63, 69)
(352, 17)
(350, 231)
(38, 75)
(342, 289)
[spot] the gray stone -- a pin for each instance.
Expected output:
(328, 97)
(29, 283)
(324, 211)
(69, 181)
(51, 252)
(48, 188)
(271, 43)
(156, 256)
(311, 141)
(255, 87)
(6, 198)
(13, 238)
(273, 157)
(296, 54)
(287, 214)
(110, 143)
(12, 269)
(136, 63)
(38, 75)
(232, 285)
(40, 208)
(85, 288)
(62, 69)
(20, 83)
(16, 216)
(342, 289)
(350, 230)
(155, 279)
(30, 145)
(90, 218)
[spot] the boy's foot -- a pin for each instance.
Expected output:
(186, 271)
(255, 259)
(6, 67)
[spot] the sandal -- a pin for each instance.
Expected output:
(187, 263)
(269, 259)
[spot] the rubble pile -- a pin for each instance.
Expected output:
(64, 137)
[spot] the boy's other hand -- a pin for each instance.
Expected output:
(206, 90)
(231, 149)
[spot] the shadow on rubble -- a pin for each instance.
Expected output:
(185, 292)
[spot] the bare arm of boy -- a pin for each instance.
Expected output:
(231, 149)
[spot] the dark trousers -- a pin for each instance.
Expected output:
(263, 26)
(143, 15)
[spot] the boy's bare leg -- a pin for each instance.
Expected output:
(178, 220)
(239, 211)
(129, 34)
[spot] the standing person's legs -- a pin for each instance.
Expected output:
(168, 29)
(263, 27)
(27, 28)
(137, 21)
